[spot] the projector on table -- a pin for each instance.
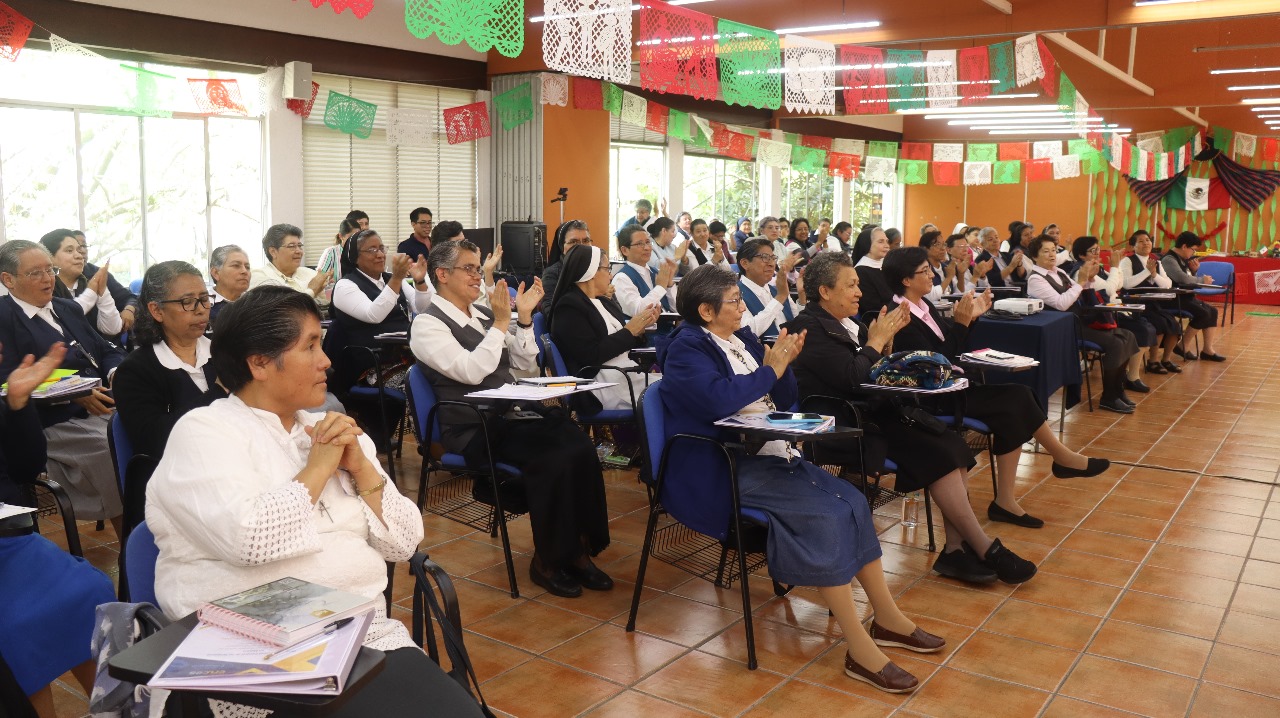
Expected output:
(1019, 305)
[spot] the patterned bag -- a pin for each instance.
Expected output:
(916, 369)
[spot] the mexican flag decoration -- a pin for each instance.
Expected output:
(1198, 193)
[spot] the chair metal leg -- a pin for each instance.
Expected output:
(506, 541)
(391, 577)
(724, 559)
(1062, 413)
(928, 519)
(423, 475)
(644, 563)
(991, 456)
(746, 605)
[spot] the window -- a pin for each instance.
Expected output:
(719, 188)
(807, 195)
(342, 172)
(144, 186)
(635, 172)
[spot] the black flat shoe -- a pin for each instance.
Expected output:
(996, 512)
(1189, 356)
(1153, 367)
(964, 565)
(1171, 367)
(1212, 357)
(557, 583)
(1115, 405)
(1009, 566)
(1095, 467)
(1136, 385)
(590, 577)
(1127, 401)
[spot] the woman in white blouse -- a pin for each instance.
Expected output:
(89, 292)
(252, 488)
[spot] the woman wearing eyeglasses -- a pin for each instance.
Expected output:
(170, 373)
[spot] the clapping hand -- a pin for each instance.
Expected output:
(1151, 264)
(319, 282)
(646, 318)
(99, 281)
(717, 252)
(527, 300)
(30, 374)
(491, 263)
(784, 351)
(400, 265)
(788, 262)
(971, 307)
(884, 327)
(500, 303)
(980, 269)
(667, 274)
(682, 251)
(418, 270)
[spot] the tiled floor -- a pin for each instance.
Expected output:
(1158, 592)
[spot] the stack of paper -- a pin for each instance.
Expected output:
(61, 382)
(761, 421)
(998, 358)
(524, 392)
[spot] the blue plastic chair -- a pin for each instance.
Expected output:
(604, 416)
(539, 329)
(722, 522)
(1224, 275)
(458, 502)
(141, 552)
(136, 286)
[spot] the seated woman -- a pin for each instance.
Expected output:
(49, 596)
(282, 244)
(592, 332)
(569, 234)
(170, 373)
(253, 488)
(331, 259)
(1108, 285)
(89, 290)
(820, 531)
(1052, 286)
(869, 251)
(837, 358)
(1144, 269)
(465, 347)
(1009, 410)
(741, 233)
(229, 269)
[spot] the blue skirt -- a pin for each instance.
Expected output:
(48, 598)
(820, 529)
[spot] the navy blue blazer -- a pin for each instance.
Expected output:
(22, 453)
(699, 388)
(21, 335)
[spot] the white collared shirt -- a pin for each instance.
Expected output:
(268, 274)
(1131, 280)
(45, 313)
(662, 254)
(348, 298)
(433, 344)
(109, 321)
(772, 312)
(867, 261)
(169, 360)
(629, 295)
(1038, 286)
(709, 252)
(741, 361)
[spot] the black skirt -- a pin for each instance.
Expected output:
(1009, 410)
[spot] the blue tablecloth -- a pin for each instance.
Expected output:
(1049, 337)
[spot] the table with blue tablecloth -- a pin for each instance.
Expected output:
(1048, 337)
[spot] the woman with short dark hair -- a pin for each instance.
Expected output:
(283, 246)
(1108, 286)
(75, 282)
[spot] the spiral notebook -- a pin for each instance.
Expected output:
(283, 612)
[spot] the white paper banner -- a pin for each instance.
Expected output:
(943, 90)
(773, 153)
(634, 109)
(948, 153)
(271, 90)
(1151, 141)
(849, 147)
(1267, 282)
(588, 38)
(555, 89)
(1081, 115)
(810, 79)
(977, 173)
(1046, 150)
(1117, 152)
(410, 128)
(1066, 166)
(703, 126)
(62, 46)
(1026, 58)
(1181, 162)
(881, 169)
(1162, 166)
(1246, 145)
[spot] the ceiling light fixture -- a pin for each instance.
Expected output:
(1259, 100)
(1267, 117)
(1020, 121)
(1237, 88)
(1145, 3)
(828, 28)
(607, 11)
(1266, 109)
(1001, 115)
(1060, 131)
(1065, 126)
(1237, 70)
(985, 110)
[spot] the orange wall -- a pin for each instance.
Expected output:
(575, 154)
(1063, 202)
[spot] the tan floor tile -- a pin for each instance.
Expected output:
(797, 698)
(1213, 701)
(710, 684)
(680, 620)
(1143, 508)
(949, 603)
(1193, 619)
(1186, 586)
(1207, 539)
(954, 694)
(1068, 593)
(1258, 600)
(1063, 707)
(542, 688)
(1124, 525)
(632, 703)
(1208, 518)
(1129, 687)
(1012, 659)
(1152, 648)
(1191, 560)
(1044, 624)
(533, 626)
(1266, 549)
(612, 653)
(1121, 547)
(1249, 631)
(1244, 669)
(779, 648)
(1089, 567)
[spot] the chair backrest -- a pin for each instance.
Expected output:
(558, 367)
(140, 554)
(1222, 273)
(121, 448)
(653, 431)
(135, 286)
(422, 398)
(539, 329)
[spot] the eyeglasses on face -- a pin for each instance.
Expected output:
(36, 275)
(374, 250)
(188, 304)
(423, 223)
(924, 270)
(735, 301)
(292, 246)
(470, 269)
(645, 243)
(770, 258)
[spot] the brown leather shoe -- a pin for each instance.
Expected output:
(890, 679)
(920, 640)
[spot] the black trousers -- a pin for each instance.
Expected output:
(563, 484)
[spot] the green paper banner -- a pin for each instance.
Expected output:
(1135, 164)
(1066, 93)
(1007, 172)
(1079, 148)
(347, 114)
(808, 159)
(906, 83)
(792, 139)
(482, 24)
(1000, 57)
(750, 60)
(515, 106)
(882, 149)
(1179, 136)
(1092, 163)
(612, 97)
(913, 172)
(678, 125)
(983, 152)
(1223, 139)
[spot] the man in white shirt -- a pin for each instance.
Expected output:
(1001, 273)
(764, 311)
(703, 249)
(284, 249)
(662, 232)
(638, 285)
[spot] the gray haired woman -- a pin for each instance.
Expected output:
(229, 269)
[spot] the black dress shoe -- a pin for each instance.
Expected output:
(1009, 566)
(557, 583)
(590, 577)
(996, 512)
(1127, 401)
(1212, 357)
(1136, 385)
(1189, 356)
(1095, 467)
(964, 565)
(1153, 367)
(1116, 405)
(1171, 367)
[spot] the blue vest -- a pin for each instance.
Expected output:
(755, 307)
(640, 285)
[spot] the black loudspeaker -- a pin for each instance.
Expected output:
(524, 248)
(482, 238)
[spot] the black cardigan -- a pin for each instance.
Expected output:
(831, 363)
(875, 290)
(22, 453)
(917, 336)
(582, 338)
(151, 399)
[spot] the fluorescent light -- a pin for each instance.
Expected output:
(1144, 3)
(607, 11)
(1236, 70)
(1063, 127)
(1062, 131)
(1237, 88)
(1259, 100)
(1266, 109)
(1267, 117)
(828, 28)
(999, 115)
(984, 110)
(1020, 121)
(912, 99)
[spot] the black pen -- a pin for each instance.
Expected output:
(320, 637)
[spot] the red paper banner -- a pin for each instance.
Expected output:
(1270, 149)
(1014, 151)
(1151, 166)
(916, 151)
(865, 93)
(1050, 80)
(843, 165)
(972, 67)
(1126, 158)
(303, 107)
(677, 50)
(946, 174)
(14, 31)
(817, 143)
(1040, 170)
(587, 94)
(738, 146)
(359, 8)
(217, 96)
(467, 123)
(656, 117)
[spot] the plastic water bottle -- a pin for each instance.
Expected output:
(911, 509)
(603, 450)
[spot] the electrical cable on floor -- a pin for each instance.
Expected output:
(1179, 471)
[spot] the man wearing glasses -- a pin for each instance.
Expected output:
(32, 321)
(284, 249)
(419, 243)
(638, 284)
(767, 303)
